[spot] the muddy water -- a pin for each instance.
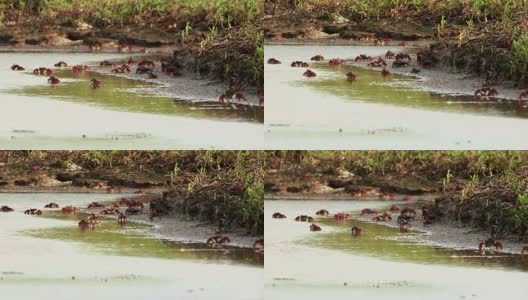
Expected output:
(45, 253)
(120, 115)
(308, 265)
(375, 113)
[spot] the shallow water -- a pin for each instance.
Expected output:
(45, 253)
(375, 113)
(119, 115)
(308, 265)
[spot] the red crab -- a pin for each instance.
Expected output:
(522, 96)
(489, 243)
(54, 80)
(524, 249)
(33, 211)
(121, 69)
(122, 219)
(403, 56)
(94, 83)
(386, 216)
(154, 214)
(309, 73)
(394, 209)
(380, 62)
(404, 226)
(408, 212)
(80, 68)
(17, 68)
(96, 205)
(356, 231)
(273, 61)
(96, 47)
(140, 191)
(93, 218)
(351, 76)
(304, 218)
(125, 48)
(51, 205)
(231, 94)
(146, 63)
(131, 61)
(486, 92)
(60, 64)
(403, 44)
(407, 198)
(70, 209)
(363, 57)
(314, 227)
(368, 211)
(389, 55)
(151, 75)
(6, 209)
(278, 215)
(336, 61)
(218, 240)
(342, 216)
(105, 63)
(385, 73)
(322, 212)
(83, 225)
(299, 64)
(43, 71)
(317, 58)
(258, 246)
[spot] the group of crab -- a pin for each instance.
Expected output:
(406, 216)
(53, 80)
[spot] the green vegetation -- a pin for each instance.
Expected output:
(222, 187)
(484, 189)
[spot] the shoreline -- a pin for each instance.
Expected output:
(172, 227)
(443, 235)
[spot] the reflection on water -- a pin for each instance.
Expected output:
(111, 238)
(378, 241)
(372, 87)
(126, 95)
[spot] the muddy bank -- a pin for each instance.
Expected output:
(444, 234)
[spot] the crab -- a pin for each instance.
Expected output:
(386, 216)
(17, 68)
(125, 201)
(489, 243)
(94, 83)
(6, 209)
(524, 249)
(146, 63)
(309, 73)
(427, 220)
(33, 211)
(385, 73)
(83, 225)
(336, 61)
(133, 211)
(125, 48)
(231, 94)
(314, 227)
(80, 68)
(105, 63)
(123, 69)
(54, 80)
(138, 204)
(351, 76)
(356, 231)
(522, 96)
(380, 62)
(299, 64)
(342, 216)
(409, 212)
(278, 215)
(258, 246)
(317, 58)
(486, 92)
(403, 56)
(93, 218)
(43, 71)
(60, 64)
(404, 219)
(131, 61)
(51, 205)
(304, 218)
(394, 209)
(407, 198)
(365, 37)
(368, 211)
(110, 211)
(389, 55)
(363, 57)
(122, 219)
(385, 42)
(322, 212)
(96, 47)
(273, 61)
(151, 75)
(96, 205)
(218, 240)
(404, 226)
(403, 44)
(70, 209)
(140, 191)
(383, 196)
